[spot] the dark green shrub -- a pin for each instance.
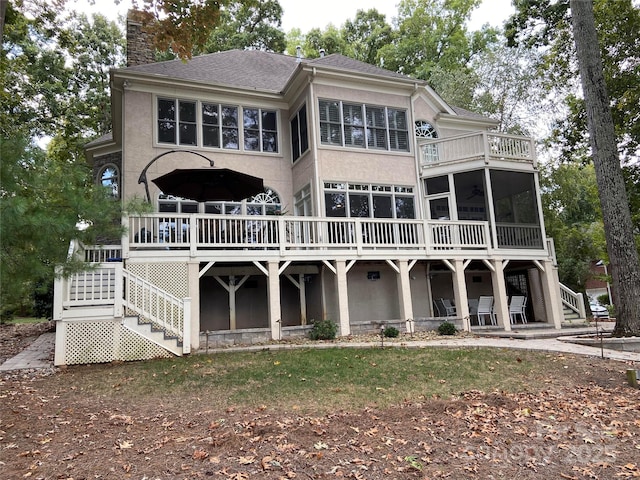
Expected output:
(447, 328)
(391, 332)
(323, 330)
(604, 299)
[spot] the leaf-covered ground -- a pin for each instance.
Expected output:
(583, 423)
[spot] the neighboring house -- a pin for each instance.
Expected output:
(597, 285)
(379, 199)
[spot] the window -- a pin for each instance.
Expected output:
(368, 200)
(260, 130)
(424, 129)
(353, 125)
(330, 123)
(110, 178)
(303, 205)
(363, 126)
(299, 133)
(376, 128)
(219, 126)
(171, 204)
(398, 131)
(177, 122)
(265, 203)
(435, 185)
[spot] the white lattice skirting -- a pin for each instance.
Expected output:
(101, 341)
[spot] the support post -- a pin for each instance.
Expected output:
(275, 312)
(404, 294)
(343, 297)
(551, 292)
(460, 295)
(193, 272)
(500, 300)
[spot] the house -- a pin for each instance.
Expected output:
(379, 199)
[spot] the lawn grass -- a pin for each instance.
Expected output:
(319, 379)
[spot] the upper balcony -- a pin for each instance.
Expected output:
(483, 145)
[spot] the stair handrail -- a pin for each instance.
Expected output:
(573, 300)
(158, 306)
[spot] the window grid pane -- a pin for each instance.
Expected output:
(166, 121)
(330, 123)
(210, 125)
(188, 126)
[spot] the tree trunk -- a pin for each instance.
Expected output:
(623, 256)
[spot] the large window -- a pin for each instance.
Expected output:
(363, 126)
(368, 200)
(213, 125)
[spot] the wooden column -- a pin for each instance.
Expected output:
(500, 299)
(273, 289)
(343, 297)
(460, 294)
(551, 291)
(404, 294)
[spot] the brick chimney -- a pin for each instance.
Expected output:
(140, 49)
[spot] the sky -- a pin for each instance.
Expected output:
(306, 15)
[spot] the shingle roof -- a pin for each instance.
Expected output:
(252, 68)
(240, 68)
(336, 60)
(107, 137)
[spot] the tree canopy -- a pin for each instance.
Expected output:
(54, 70)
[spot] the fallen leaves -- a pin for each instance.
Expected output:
(583, 432)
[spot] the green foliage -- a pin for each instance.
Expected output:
(248, 25)
(540, 23)
(431, 34)
(573, 219)
(447, 328)
(44, 199)
(323, 330)
(391, 332)
(604, 299)
(54, 71)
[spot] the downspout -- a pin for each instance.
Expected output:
(314, 131)
(416, 156)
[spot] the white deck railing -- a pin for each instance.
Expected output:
(573, 300)
(477, 145)
(196, 232)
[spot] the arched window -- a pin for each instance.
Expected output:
(265, 203)
(110, 178)
(427, 131)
